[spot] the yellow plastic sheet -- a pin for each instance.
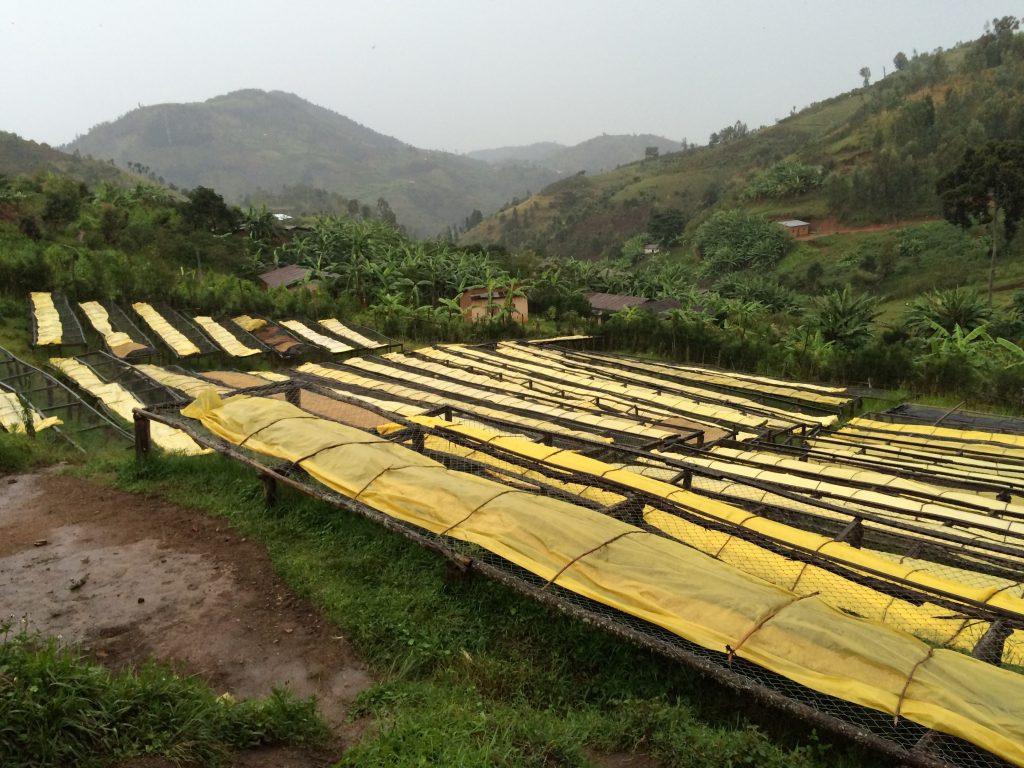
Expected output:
(174, 338)
(249, 323)
(644, 575)
(224, 338)
(120, 343)
(772, 567)
(49, 329)
(644, 385)
(336, 326)
(122, 402)
(330, 344)
(190, 385)
(13, 412)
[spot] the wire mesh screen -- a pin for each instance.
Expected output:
(50, 397)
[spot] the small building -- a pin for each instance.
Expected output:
(607, 303)
(288, 276)
(651, 248)
(477, 304)
(795, 227)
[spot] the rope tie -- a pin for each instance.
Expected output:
(803, 568)
(271, 424)
(588, 552)
(771, 614)
(476, 509)
(376, 477)
(906, 685)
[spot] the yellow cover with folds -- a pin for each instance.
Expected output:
(332, 345)
(913, 431)
(224, 338)
(645, 575)
(175, 339)
(12, 415)
(49, 330)
(101, 322)
(122, 402)
(927, 621)
(336, 326)
(249, 323)
(190, 385)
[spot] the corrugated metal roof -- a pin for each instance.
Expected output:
(285, 276)
(612, 302)
(793, 223)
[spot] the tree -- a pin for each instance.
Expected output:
(207, 210)
(865, 72)
(844, 317)
(900, 61)
(666, 225)
(988, 183)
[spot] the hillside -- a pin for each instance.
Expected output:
(601, 153)
(871, 155)
(20, 156)
(253, 139)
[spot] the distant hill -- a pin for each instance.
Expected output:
(253, 139)
(601, 153)
(868, 156)
(20, 156)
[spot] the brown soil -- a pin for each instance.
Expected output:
(133, 578)
(826, 227)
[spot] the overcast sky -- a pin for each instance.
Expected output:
(464, 74)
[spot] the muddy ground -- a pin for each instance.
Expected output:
(133, 578)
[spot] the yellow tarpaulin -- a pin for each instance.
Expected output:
(122, 402)
(174, 338)
(120, 343)
(13, 414)
(928, 621)
(224, 338)
(644, 575)
(336, 326)
(49, 330)
(332, 345)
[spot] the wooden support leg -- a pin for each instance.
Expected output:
(269, 489)
(142, 437)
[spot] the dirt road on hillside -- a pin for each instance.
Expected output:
(159, 581)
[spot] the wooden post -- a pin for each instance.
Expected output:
(142, 437)
(269, 489)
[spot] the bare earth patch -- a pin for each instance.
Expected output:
(133, 578)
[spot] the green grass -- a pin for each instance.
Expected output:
(59, 709)
(471, 673)
(21, 452)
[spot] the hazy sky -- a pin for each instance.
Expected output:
(464, 74)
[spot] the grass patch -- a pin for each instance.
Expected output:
(58, 709)
(21, 452)
(472, 673)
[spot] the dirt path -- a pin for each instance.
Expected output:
(155, 580)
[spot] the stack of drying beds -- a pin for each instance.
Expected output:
(848, 634)
(581, 395)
